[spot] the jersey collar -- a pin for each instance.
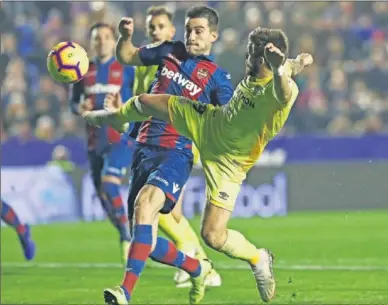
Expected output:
(210, 57)
(98, 62)
(259, 81)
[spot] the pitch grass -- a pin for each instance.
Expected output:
(321, 258)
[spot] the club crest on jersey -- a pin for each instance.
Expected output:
(116, 74)
(202, 73)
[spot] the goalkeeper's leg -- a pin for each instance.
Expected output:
(178, 229)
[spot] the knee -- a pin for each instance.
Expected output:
(110, 185)
(142, 102)
(148, 203)
(110, 190)
(213, 237)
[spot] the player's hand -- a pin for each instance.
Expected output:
(86, 105)
(305, 59)
(91, 118)
(113, 101)
(274, 56)
(126, 27)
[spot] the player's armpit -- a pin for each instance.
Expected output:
(127, 53)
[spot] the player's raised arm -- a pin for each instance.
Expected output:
(126, 52)
(282, 83)
(149, 55)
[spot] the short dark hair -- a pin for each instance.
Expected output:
(100, 25)
(203, 11)
(260, 37)
(160, 10)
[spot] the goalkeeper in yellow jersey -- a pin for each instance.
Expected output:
(159, 27)
(230, 138)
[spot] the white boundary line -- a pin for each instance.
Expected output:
(221, 266)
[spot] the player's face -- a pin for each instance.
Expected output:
(159, 28)
(103, 42)
(198, 36)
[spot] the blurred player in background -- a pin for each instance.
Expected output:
(9, 216)
(109, 153)
(163, 159)
(160, 28)
(230, 138)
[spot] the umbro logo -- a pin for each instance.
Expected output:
(223, 195)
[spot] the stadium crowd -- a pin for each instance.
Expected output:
(345, 92)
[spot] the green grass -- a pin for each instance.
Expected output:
(319, 259)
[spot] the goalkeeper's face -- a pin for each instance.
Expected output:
(103, 42)
(199, 37)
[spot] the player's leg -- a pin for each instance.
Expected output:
(96, 164)
(179, 230)
(9, 216)
(146, 213)
(169, 108)
(221, 196)
(116, 163)
(189, 240)
(177, 233)
(149, 202)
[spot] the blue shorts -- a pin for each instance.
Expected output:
(114, 162)
(165, 168)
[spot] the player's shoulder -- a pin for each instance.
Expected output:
(178, 48)
(172, 43)
(217, 73)
(222, 73)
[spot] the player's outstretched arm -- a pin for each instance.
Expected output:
(282, 84)
(126, 52)
(298, 64)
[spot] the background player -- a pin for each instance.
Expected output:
(160, 28)
(163, 158)
(108, 162)
(9, 216)
(230, 138)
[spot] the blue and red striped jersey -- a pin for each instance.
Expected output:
(194, 77)
(103, 78)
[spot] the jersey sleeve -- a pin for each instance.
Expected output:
(127, 90)
(76, 95)
(224, 89)
(288, 68)
(128, 83)
(153, 54)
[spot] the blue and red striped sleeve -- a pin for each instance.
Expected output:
(153, 54)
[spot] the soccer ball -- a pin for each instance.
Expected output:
(67, 62)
